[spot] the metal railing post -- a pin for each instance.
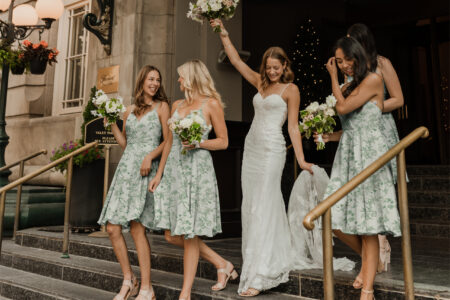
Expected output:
(2, 217)
(65, 251)
(327, 244)
(18, 201)
(404, 221)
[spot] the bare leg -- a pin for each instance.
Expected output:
(143, 252)
(354, 242)
(206, 253)
(190, 262)
(121, 252)
(370, 255)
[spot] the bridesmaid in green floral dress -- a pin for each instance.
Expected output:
(371, 208)
(128, 203)
(187, 198)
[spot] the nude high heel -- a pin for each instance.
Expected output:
(230, 272)
(133, 287)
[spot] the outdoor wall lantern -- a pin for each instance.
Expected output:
(101, 26)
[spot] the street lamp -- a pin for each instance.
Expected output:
(21, 23)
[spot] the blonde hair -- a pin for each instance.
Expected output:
(280, 54)
(197, 79)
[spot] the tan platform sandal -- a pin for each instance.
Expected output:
(133, 288)
(368, 292)
(251, 292)
(230, 272)
(146, 295)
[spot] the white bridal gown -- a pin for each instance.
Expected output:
(266, 244)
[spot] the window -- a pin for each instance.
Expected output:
(70, 73)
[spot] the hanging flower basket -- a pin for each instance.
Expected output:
(38, 66)
(17, 70)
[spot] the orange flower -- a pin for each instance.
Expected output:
(50, 55)
(35, 46)
(21, 55)
(26, 43)
(55, 51)
(44, 44)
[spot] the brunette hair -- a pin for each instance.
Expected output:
(197, 79)
(364, 36)
(353, 51)
(280, 54)
(139, 100)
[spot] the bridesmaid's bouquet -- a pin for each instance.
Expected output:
(109, 108)
(318, 119)
(212, 9)
(190, 129)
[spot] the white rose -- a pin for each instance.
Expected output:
(331, 101)
(100, 100)
(203, 4)
(313, 107)
(198, 119)
(330, 112)
(111, 107)
(216, 5)
(99, 93)
(186, 123)
(323, 106)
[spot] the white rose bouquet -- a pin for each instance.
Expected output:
(318, 118)
(189, 130)
(212, 9)
(109, 108)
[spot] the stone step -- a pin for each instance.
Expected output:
(429, 183)
(435, 215)
(21, 285)
(417, 170)
(441, 231)
(107, 276)
(441, 199)
(305, 283)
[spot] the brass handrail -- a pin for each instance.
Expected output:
(324, 208)
(20, 162)
(25, 178)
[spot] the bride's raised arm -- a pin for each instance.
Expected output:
(251, 76)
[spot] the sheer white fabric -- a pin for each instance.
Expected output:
(307, 192)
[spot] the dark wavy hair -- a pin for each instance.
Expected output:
(353, 51)
(280, 54)
(139, 100)
(364, 36)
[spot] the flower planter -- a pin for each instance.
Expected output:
(17, 70)
(86, 195)
(38, 66)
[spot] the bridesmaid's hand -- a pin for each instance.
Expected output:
(187, 146)
(306, 166)
(153, 184)
(332, 68)
(146, 165)
(325, 137)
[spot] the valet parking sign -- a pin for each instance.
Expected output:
(96, 132)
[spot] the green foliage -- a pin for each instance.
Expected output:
(86, 157)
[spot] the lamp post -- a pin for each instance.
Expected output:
(21, 23)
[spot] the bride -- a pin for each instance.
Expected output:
(266, 245)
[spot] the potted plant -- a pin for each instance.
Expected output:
(38, 55)
(87, 179)
(17, 62)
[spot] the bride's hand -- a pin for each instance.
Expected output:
(306, 166)
(325, 137)
(218, 23)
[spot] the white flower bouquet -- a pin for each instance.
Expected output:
(212, 9)
(318, 118)
(109, 108)
(190, 129)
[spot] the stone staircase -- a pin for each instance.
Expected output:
(32, 268)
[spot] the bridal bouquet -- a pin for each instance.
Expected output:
(318, 119)
(212, 9)
(109, 108)
(190, 129)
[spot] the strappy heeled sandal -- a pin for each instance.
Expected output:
(230, 274)
(251, 292)
(133, 287)
(358, 283)
(368, 292)
(146, 295)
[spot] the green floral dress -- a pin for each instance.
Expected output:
(187, 198)
(128, 197)
(371, 208)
